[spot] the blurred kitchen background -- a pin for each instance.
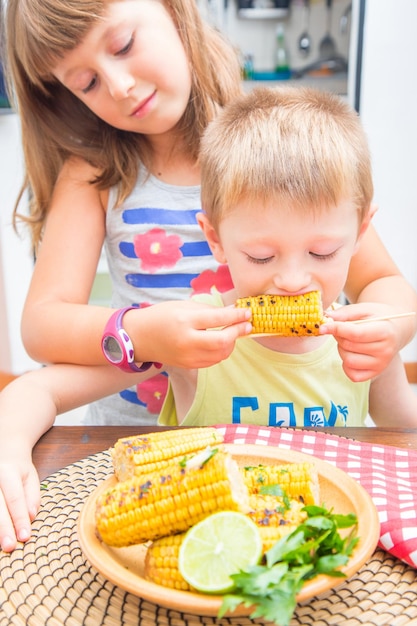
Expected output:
(287, 37)
(367, 56)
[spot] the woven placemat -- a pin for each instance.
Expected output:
(48, 582)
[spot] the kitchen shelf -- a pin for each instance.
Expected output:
(336, 84)
(263, 14)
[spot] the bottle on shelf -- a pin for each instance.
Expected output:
(248, 69)
(282, 62)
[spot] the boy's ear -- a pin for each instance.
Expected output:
(212, 237)
(365, 223)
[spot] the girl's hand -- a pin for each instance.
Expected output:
(185, 334)
(365, 349)
(19, 501)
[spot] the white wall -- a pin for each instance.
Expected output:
(15, 258)
(389, 114)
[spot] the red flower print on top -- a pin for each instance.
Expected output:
(156, 249)
(152, 392)
(220, 279)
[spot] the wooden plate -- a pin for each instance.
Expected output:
(124, 566)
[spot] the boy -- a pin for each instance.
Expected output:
(287, 195)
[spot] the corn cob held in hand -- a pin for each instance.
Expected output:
(287, 316)
(134, 456)
(298, 480)
(155, 505)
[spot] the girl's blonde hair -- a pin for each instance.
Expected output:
(302, 146)
(56, 125)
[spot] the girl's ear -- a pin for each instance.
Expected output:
(365, 223)
(212, 237)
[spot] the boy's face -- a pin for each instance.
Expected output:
(131, 69)
(273, 249)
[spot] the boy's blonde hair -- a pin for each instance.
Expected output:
(56, 125)
(299, 145)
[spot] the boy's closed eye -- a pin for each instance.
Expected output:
(259, 261)
(324, 257)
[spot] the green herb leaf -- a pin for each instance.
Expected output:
(314, 547)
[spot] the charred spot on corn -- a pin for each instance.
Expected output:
(287, 316)
(274, 516)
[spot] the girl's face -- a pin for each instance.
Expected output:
(131, 69)
(280, 251)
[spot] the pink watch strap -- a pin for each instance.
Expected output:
(117, 346)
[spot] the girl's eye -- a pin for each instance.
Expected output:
(256, 261)
(90, 85)
(125, 48)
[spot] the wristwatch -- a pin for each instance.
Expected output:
(117, 346)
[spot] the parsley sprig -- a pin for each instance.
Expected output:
(314, 547)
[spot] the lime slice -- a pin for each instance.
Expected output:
(218, 546)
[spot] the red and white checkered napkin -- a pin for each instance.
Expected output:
(385, 472)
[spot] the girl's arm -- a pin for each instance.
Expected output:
(28, 407)
(374, 277)
(376, 287)
(392, 401)
(57, 325)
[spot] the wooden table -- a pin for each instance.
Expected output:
(63, 445)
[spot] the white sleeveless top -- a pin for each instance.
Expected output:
(155, 252)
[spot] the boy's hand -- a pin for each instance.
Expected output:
(19, 502)
(366, 349)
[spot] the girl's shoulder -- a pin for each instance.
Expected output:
(77, 172)
(78, 169)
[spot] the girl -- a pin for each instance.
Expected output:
(113, 97)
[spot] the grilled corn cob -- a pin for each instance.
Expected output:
(271, 534)
(156, 505)
(133, 456)
(267, 510)
(287, 316)
(161, 563)
(275, 516)
(298, 480)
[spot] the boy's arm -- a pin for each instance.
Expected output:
(392, 401)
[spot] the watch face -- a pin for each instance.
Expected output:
(112, 349)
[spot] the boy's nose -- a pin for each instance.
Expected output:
(292, 279)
